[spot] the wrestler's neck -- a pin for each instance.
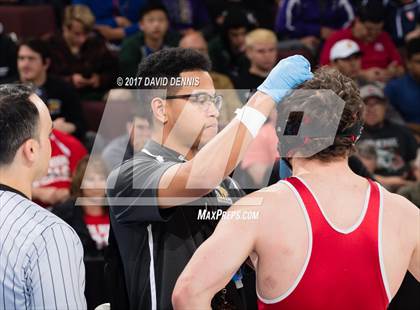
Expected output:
(303, 166)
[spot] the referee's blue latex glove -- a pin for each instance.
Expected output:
(286, 75)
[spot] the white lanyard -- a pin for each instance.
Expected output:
(159, 158)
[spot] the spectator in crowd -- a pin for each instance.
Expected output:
(412, 191)
(124, 147)
(61, 98)
(402, 17)
(261, 51)
(309, 21)
(154, 23)
(222, 83)
(54, 188)
(413, 34)
(380, 58)
(367, 155)
(80, 56)
(394, 144)
(115, 20)
(8, 71)
(263, 11)
(345, 56)
(187, 15)
(90, 219)
(227, 50)
(404, 93)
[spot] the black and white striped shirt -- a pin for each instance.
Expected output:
(41, 257)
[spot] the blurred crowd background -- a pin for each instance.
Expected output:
(72, 52)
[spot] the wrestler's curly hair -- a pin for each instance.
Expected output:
(326, 78)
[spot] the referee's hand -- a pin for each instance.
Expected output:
(287, 74)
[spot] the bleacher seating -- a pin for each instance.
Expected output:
(27, 20)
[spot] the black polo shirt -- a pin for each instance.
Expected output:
(156, 244)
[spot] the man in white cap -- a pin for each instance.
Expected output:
(345, 56)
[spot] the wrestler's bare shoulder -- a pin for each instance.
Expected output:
(270, 200)
(399, 206)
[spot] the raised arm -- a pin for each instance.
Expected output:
(218, 158)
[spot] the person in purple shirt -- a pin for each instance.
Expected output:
(404, 93)
(310, 20)
(187, 15)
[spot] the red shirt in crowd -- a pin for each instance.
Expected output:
(66, 152)
(98, 227)
(379, 53)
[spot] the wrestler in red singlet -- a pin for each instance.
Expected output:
(343, 269)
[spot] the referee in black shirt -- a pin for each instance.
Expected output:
(165, 201)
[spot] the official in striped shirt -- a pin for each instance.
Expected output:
(41, 257)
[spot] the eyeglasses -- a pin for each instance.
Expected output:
(202, 100)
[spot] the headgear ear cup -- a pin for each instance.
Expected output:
(293, 124)
(292, 127)
(354, 131)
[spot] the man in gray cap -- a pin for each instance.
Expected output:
(395, 145)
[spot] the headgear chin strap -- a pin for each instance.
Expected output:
(354, 132)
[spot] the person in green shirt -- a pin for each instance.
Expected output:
(155, 35)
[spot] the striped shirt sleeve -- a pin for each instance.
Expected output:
(57, 272)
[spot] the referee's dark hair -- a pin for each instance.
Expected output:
(170, 62)
(19, 120)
